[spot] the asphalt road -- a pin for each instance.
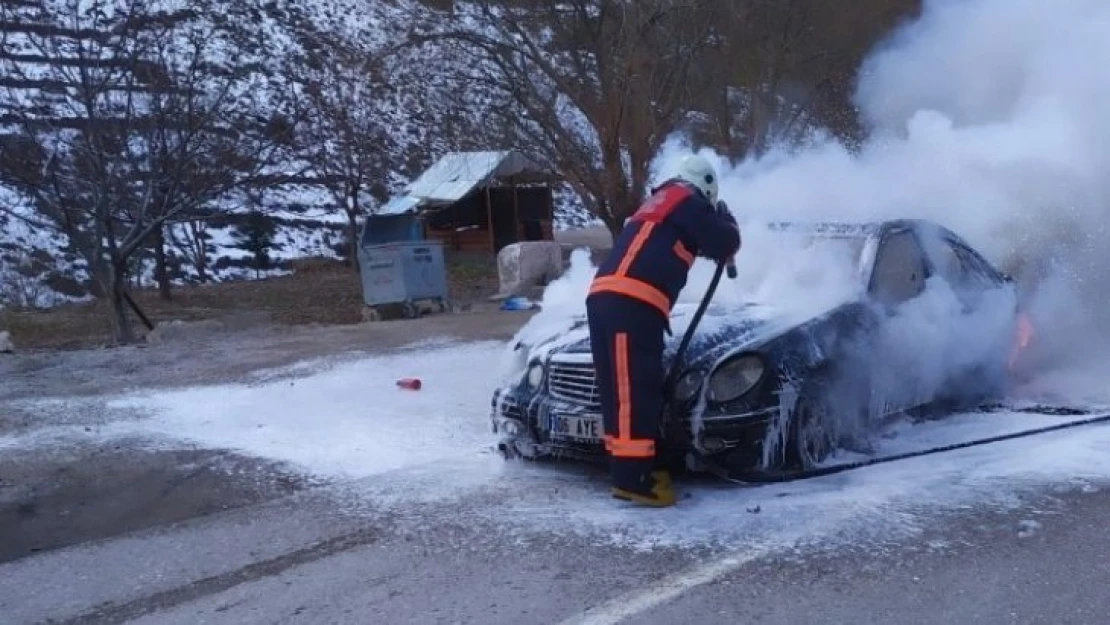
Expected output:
(301, 554)
(131, 532)
(992, 569)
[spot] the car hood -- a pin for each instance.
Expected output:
(722, 331)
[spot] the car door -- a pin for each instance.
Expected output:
(899, 379)
(981, 334)
(968, 274)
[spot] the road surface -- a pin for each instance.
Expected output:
(103, 525)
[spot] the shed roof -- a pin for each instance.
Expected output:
(454, 176)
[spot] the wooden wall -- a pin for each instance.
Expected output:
(532, 204)
(475, 240)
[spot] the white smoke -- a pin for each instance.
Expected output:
(988, 117)
(985, 116)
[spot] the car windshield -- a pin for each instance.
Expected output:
(800, 269)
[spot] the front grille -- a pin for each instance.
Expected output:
(572, 379)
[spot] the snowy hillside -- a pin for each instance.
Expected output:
(414, 113)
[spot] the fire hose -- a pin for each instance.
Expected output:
(791, 476)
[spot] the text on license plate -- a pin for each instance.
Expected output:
(580, 427)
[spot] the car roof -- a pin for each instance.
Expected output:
(828, 228)
(860, 229)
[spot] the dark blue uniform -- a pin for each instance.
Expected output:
(629, 308)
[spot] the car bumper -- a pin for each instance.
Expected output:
(523, 423)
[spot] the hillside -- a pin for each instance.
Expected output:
(405, 107)
(180, 141)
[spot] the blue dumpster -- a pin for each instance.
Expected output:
(398, 271)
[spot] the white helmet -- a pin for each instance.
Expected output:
(698, 172)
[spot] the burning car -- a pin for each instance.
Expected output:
(919, 323)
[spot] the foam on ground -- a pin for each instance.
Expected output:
(406, 449)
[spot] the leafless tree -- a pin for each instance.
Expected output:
(590, 88)
(129, 114)
(781, 68)
(378, 112)
(191, 241)
(346, 141)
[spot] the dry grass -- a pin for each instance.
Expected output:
(319, 292)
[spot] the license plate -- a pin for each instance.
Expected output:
(586, 428)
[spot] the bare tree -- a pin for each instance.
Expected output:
(590, 88)
(781, 68)
(131, 114)
(345, 141)
(378, 112)
(191, 241)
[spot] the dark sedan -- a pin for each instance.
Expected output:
(919, 322)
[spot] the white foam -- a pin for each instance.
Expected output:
(402, 448)
(349, 421)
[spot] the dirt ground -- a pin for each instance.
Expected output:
(321, 291)
(206, 356)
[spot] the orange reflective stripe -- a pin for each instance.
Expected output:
(683, 253)
(635, 448)
(634, 248)
(624, 389)
(634, 288)
(623, 445)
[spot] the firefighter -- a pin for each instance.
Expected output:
(629, 306)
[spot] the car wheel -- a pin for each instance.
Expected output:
(813, 435)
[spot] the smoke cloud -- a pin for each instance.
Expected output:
(986, 116)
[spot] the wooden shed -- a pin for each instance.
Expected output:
(475, 202)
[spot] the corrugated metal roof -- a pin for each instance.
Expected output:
(458, 173)
(454, 176)
(399, 205)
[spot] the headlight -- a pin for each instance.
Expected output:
(687, 386)
(735, 378)
(535, 375)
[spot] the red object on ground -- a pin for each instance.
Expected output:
(413, 384)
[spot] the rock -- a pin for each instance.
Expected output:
(6, 345)
(521, 266)
(178, 329)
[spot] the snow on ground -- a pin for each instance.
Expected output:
(350, 424)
